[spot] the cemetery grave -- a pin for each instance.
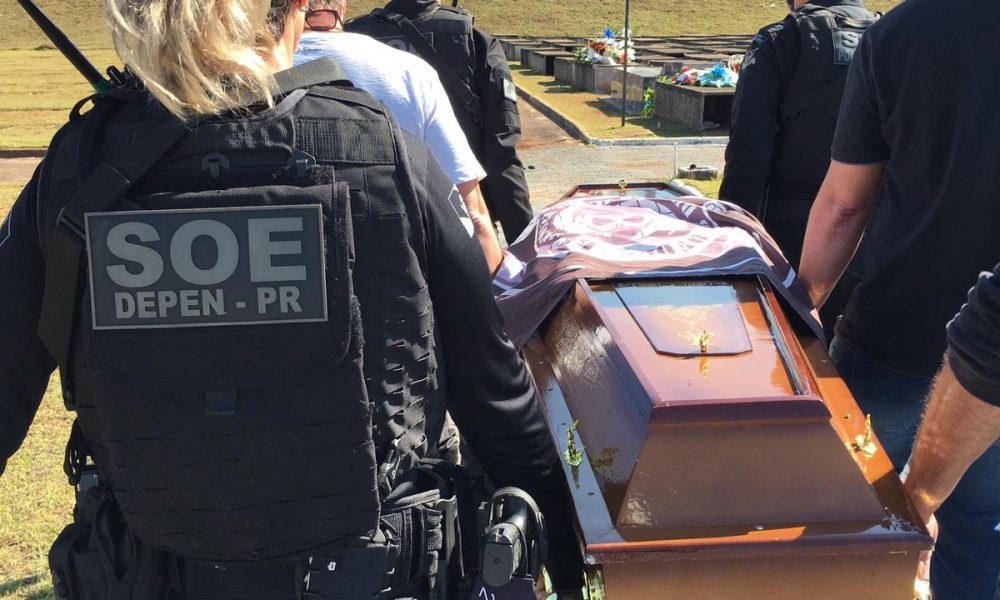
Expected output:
(696, 109)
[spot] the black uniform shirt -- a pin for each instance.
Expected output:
(920, 98)
(752, 158)
(493, 140)
(772, 56)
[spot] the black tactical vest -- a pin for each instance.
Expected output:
(810, 99)
(235, 413)
(451, 51)
(448, 29)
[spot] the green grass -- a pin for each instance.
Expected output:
(709, 188)
(35, 502)
(38, 86)
(82, 18)
(8, 194)
(37, 90)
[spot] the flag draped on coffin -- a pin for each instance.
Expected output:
(606, 237)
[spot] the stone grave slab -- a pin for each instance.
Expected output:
(542, 61)
(692, 106)
(565, 69)
(637, 79)
(596, 78)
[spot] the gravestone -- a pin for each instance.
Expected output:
(518, 49)
(637, 79)
(597, 78)
(565, 69)
(692, 106)
(542, 60)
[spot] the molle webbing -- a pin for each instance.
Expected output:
(252, 443)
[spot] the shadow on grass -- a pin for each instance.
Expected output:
(557, 87)
(654, 125)
(16, 588)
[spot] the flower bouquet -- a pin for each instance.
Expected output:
(719, 76)
(607, 48)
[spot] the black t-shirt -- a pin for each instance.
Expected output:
(920, 98)
(974, 340)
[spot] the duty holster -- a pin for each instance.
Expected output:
(417, 551)
(97, 558)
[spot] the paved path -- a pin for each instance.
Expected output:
(555, 161)
(17, 170)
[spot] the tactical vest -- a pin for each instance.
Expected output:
(810, 99)
(246, 405)
(448, 29)
(447, 45)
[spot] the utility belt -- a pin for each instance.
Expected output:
(416, 552)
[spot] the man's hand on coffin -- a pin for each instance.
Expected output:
(836, 222)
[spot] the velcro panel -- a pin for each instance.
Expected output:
(363, 141)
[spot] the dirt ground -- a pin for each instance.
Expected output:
(17, 170)
(554, 161)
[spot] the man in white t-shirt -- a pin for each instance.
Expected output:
(411, 90)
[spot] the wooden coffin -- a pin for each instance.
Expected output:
(722, 457)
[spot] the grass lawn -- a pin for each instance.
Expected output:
(38, 86)
(37, 90)
(37, 502)
(82, 18)
(597, 118)
(709, 188)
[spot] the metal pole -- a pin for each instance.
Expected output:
(62, 43)
(628, 11)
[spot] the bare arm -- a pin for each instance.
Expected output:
(482, 223)
(957, 429)
(836, 222)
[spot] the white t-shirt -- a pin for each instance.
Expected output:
(408, 86)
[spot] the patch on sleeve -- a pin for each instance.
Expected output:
(509, 91)
(458, 205)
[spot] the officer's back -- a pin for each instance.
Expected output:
(475, 73)
(251, 284)
(785, 111)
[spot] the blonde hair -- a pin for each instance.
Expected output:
(338, 5)
(199, 57)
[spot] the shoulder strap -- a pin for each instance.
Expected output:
(457, 88)
(811, 17)
(312, 73)
(830, 89)
(100, 191)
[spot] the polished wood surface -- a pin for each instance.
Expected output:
(638, 190)
(734, 479)
(726, 372)
(696, 319)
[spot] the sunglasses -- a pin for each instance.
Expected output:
(322, 19)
